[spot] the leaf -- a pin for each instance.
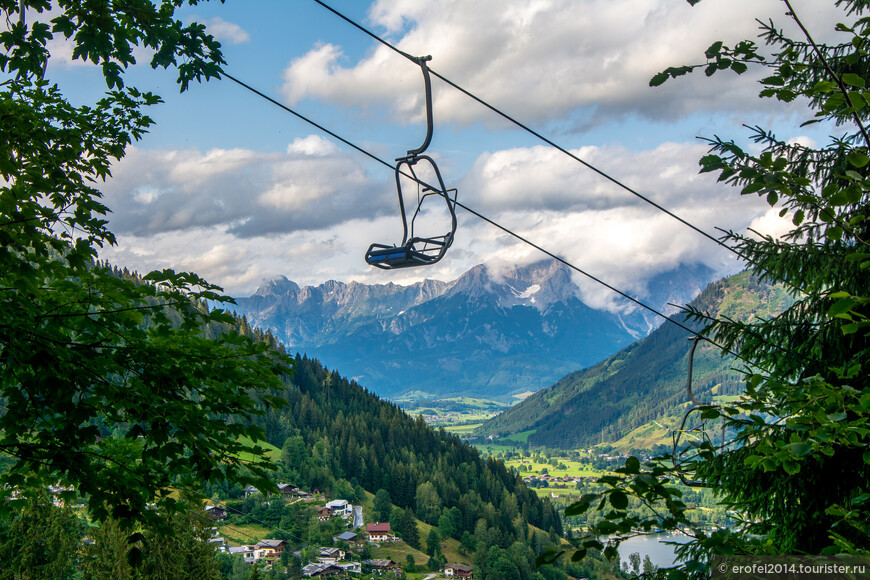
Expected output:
(772, 198)
(800, 449)
(853, 80)
(605, 528)
(791, 467)
(659, 79)
(858, 159)
(548, 557)
(738, 67)
(581, 505)
(847, 329)
(753, 187)
(713, 50)
(837, 417)
(619, 500)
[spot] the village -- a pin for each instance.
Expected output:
(347, 554)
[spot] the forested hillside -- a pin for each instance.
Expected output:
(643, 382)
(333, 429)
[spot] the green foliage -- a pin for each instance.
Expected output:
(350, 434)
(404, 525)
(108, 384)
(383, 506)
(185, 553)
(795, 471)
(427, 502)
(39, 540)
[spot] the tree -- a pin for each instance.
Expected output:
(109, 383)
(185, 553)
(383, 506)
(294, 566)
(433, 543)
(427, 502)
(403, 523)
(796, 468)
(436, 562)
(39, 540)
(450, 522)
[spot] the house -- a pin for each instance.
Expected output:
(348, 537)
(379, 532)
(320, 570)
(216, 512)
(380, 566)
(330, 555)
(249, 491)
(268, 555)
(219, 543)
(456, 570)
(339, 507)
(351, 567)
(259, 552)
(323, 513)
(287, 490)
(277, 545)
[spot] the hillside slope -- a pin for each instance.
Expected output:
(642, 382)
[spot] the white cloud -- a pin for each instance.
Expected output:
(251, 194)
(586, 62)
(313, 145)
(226, 31)
(237, 216)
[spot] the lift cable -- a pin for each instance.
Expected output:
(481, 216)
(537, 134)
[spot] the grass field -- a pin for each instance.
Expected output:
(574, 468)
(243, 534)
(272, 452)
(462, 429)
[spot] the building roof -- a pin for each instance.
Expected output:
(459, 567)
(379, 563)
(315, 569)
(337, 503)
(346, 536)
(270, 543)
(380, 527)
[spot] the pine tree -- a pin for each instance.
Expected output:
(796, 468)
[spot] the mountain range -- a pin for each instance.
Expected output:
(495, 333)
(638, 391)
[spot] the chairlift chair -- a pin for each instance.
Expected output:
(417, 250)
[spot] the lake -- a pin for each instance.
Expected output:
(662, 555)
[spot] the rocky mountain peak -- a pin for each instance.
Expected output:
(279, 286)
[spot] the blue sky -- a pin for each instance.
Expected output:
(231, 187)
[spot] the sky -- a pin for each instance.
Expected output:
(239, 191)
